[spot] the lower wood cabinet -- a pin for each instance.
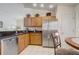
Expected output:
(20, 43)
(29, 38)
(35, 38)
(23, 41)
(26, 40)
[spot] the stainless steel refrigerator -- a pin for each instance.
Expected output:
(48, 27)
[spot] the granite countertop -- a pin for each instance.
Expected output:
(6, 37)
(5, 34)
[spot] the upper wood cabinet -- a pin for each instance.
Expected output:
(49, 18)
(33, 23)
(27, 22)
(37, 21)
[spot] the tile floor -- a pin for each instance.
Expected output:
(37, 50)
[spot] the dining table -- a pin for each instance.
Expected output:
(73, 42)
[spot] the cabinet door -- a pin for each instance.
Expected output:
(27, 22)
(49, 18)
(35, 39)
(26, 40)
(33, 21)
(20, 43)
(27, 36)
(37, 21)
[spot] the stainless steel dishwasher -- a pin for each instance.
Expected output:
(9, 46)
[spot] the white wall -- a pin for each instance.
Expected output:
(66, 22)
(77, 20)
(13, 14)
(77, 23)
(9, 13)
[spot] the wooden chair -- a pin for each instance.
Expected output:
(57, 47)
(56, 41)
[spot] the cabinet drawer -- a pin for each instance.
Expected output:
(34, 34)
(35, 38)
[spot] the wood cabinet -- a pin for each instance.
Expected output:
(33, 22)
(23, 41)
(37, 21)
(49, 18)
(20, 43)
(35, 38)
(27, 22)
(26, 39)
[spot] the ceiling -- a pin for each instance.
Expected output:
(46, 5)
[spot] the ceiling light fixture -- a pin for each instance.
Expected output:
(34, 4)
(42, 5)
(51, 6)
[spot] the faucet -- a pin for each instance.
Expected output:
(34, 30)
